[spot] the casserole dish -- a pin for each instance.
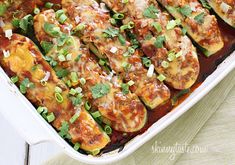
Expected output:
(35, 130)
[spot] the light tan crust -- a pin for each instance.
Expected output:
(23, 56)
(182, 71)
(150, 91)
(124, 112)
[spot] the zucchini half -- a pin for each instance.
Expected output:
(204, 31)
(24, 60)
(117, 108)
(225, 11)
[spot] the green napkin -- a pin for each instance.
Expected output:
(174, 142)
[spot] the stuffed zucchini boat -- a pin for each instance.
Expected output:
(93, 26)
(169, 49)
(124, 112)
(199, 24)
(225, 9)
(22, 60)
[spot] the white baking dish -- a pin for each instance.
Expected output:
(34, 129)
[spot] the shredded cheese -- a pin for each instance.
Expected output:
(8, 33)
(113, 50)
(6, 53)
(47, 76)
(150, 70)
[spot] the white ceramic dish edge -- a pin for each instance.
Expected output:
(34, 129)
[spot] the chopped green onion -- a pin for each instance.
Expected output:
(157, 26)
(102, 62)
(121, 39)
(62, 18)
(161, 77)
(185, 10)
(113, 21)
(130, 83)
(14, 79)
(26, 84)
(73, 91)
(171, 56)
(125, 89)
(61, 58)
(126, 65)
(77, 100)
(87, 106)
(165, 64)
(59, 98)
(41, 109)
(76, 146)
(36, 10)
(78, 58)
(180, 53)
(96, 114)
(159, 41)
(146, 61)
(50, 117)
(95, 152)
(118, 16)
(123, 28)
(83, 81)
(125, 1)
(62, 73)
(178, 95)
(111, 32)
(74, 77)
(131, 25)
(49, 5)
(74, 118)
(108, 129)
(80, 27)
(68, 83)
(51, 29)
(131, 50)
(171, 24)
(58, 89)
(59, 13)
